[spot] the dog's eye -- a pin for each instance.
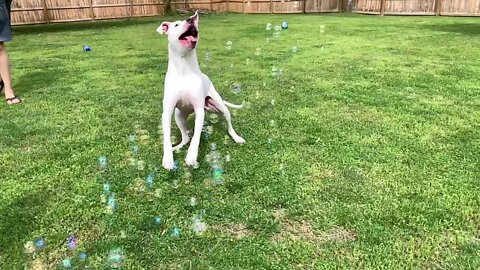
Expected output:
(176, 25)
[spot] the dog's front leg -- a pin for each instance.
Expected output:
(168, 108)
(192, 154)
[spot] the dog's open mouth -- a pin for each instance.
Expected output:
(190, 37)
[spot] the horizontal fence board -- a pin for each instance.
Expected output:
(56, 11)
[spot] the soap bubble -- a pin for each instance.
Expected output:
(141, 165)
(111, 203)
(281, 169)
(106, 187)
(217, 175)
(276, 72)
(175, 184)
(39, 243)
(268, 27)
(213, 146)
(269, 143)
(102, 162)
(247, 62)
(187, 177)
(115, 258)
(173, 139)
(267, 40)
(199, 227)
(132, 161)
(132, 138)
(276, 31)
(67, 263)
(71, 242)
(213, 118)
(258, 51)
(228, 158)
(208, 56)
(272, 123)
(236, 88)
(295, 49)
(209, 130)
(192, 201)
(157, 220)
(29, 247)
(322, 28)
(175, 166)
(149, 180)
(144, 138)
(226, 139)
(228, 45)
(83, 256)
(175, 232)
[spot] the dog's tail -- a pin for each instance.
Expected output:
(233, 105)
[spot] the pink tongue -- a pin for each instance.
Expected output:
(191, 38)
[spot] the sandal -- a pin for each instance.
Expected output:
(10, 100)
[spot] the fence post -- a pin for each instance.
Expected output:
(243, 6)
(304, 7)
(45, 12)
(211, 5)
(130, 2)
(438, 9)
(92, 13)
(271, 6)
(339, 5)
(227, 6)
(382, 7)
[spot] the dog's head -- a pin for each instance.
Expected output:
(182, 35)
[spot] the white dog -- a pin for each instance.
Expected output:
(188, 90)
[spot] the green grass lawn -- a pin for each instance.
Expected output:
(373, 161)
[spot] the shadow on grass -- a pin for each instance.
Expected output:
(461, 28)
(18, 220)
(78, 26)
(35, 80)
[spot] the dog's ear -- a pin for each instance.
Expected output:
(163, 28)
(194, 18)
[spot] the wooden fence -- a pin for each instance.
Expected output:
(419, 7)
(51, 11)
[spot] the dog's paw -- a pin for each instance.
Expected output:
(239, 139)
(168, 163)
(191, 161)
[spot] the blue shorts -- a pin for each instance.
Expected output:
(5, 28)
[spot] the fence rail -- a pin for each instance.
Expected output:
(419, 7)
(55, 11)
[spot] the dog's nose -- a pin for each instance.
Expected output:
(190, 20)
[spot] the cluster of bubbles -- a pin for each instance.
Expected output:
(34, 246)
(214, 159)
(40, 244)
(140, 137)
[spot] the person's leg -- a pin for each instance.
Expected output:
(6, 75)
